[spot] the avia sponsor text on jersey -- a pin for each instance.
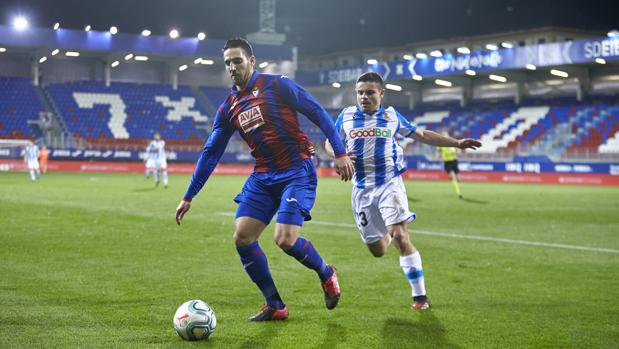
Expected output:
(251, 119)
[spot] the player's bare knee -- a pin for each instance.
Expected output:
(284, 240)
(378, 249)
(377, 253)
(400, 236)
(241, 239)
(285, 245)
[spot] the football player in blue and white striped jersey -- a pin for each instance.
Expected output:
(379, 200)
(156, 152)
(31, 157)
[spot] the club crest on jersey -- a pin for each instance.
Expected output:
(255, 91)
(251, 119)
(370, 132)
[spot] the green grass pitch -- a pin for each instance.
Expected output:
(96, 260)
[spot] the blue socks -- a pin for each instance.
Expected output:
(305, 253)
(256, 265)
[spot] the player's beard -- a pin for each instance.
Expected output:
(241, 79)
(238, 80)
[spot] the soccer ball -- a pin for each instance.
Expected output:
(194, 320)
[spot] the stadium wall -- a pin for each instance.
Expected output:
(10, 66)
(228, 169)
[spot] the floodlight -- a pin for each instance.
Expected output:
(20, 23)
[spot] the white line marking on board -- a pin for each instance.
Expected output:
(468, 237)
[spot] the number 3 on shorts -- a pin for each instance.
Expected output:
(362, 219)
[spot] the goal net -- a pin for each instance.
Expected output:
(13, 148)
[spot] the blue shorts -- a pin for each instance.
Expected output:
(291, 193)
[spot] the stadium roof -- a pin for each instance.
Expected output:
(319, 26)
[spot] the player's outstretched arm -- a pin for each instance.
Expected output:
(182, 208)
(468, 143)
(436, 139)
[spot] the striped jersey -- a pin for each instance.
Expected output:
(31, 153)
(264, 113)
(372, 139)
(156, 149)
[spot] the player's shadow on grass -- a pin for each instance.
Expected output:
(474, 201)
(270, 330)
(335, 334)
(426, 332)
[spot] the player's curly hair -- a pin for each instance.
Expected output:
(371, 77)
(241, 43)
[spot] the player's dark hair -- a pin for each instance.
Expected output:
(239, 43)
(371, 77)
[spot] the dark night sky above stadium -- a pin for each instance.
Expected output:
(321, 26)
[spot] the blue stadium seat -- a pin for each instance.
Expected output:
(19, 103)
(128, 111)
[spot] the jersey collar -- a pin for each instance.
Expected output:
(379, 113)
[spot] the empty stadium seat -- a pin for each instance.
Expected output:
(127, 111)
(19, 103)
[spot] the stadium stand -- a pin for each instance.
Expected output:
(127, 114)
(19, 103)
(557, 128)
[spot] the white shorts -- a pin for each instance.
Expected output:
(161, 164)
(376, 208)
(33, 165)
(150, 164)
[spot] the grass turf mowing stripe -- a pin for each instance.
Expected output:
(470, 237)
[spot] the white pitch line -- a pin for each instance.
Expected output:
(469, 237)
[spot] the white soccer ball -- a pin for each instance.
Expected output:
(195, 320)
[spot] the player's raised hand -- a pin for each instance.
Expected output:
(468, 143)
(182, 208)
(345, 167)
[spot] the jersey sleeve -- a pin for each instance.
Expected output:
(339, 126)
(212, 152)
(405, 128)
(295, 95)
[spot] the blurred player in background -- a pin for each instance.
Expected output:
(31, 157)
(43, 156)
(150, 159)
(263, 109)
(450, 162)
(379, 200)
(160, 169)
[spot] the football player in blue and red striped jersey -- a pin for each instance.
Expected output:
(263, 108)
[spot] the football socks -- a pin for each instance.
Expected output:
(256, 265)
(411, 265)
(305, 253)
